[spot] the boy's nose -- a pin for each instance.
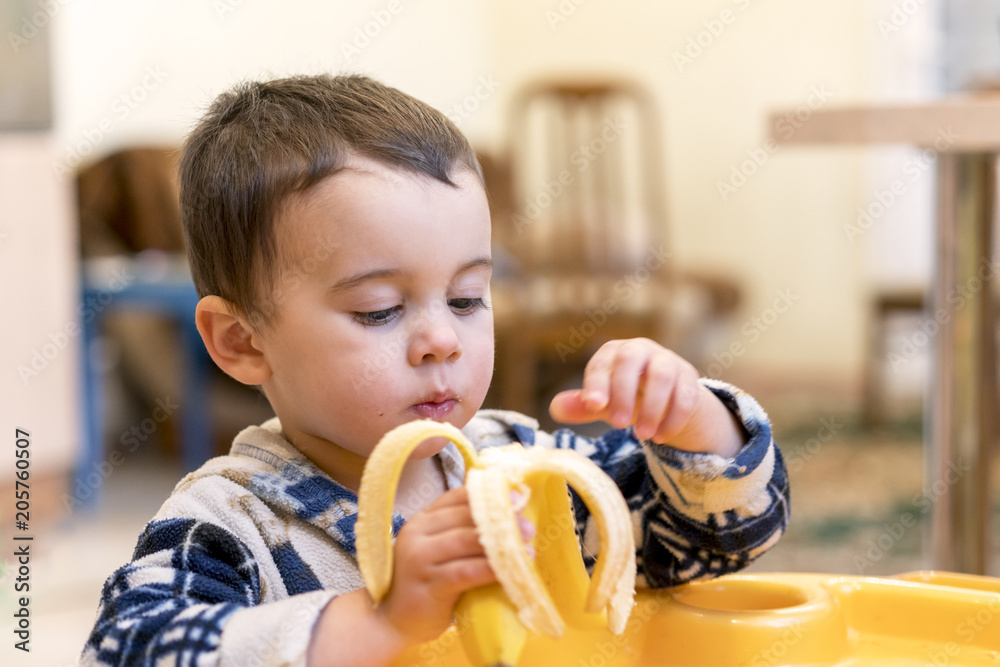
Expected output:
(434, 340)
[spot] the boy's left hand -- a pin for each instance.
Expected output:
(639, 382)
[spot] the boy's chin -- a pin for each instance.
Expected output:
(429, 447)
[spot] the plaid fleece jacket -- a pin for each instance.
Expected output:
(239, 562)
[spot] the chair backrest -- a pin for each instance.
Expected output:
(586, 178)
(129, 202)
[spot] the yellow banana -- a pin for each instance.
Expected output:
(540, 594)
(488, 626)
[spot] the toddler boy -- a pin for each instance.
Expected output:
(331, 222)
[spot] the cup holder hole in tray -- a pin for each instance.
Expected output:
(736, 596)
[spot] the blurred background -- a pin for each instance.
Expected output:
(635, 187)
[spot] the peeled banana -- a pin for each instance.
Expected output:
(541, 593)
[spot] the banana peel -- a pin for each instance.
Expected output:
(541, 593)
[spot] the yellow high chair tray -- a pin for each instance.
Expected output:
(919, 618)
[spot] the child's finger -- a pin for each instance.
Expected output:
(597, 377)
(431, 521)
(455, 544)
(655, 396)
(458, 496)
(629, 364)
(569, 407)
(459, 576)
(685, 399)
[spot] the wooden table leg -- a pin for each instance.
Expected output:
(962, 398)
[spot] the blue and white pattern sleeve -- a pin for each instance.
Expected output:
(191, 596)
(214, 581)
(694, 515)
(184, 582)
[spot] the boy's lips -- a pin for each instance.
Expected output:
(437, 407)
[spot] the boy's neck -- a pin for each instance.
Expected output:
(420, 483)
(343, 466)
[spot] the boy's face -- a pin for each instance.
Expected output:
(382, 308)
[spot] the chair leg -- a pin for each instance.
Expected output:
(92, 452)
(873, 390)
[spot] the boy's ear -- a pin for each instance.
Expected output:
(230, 341)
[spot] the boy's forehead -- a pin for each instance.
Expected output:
(332, 214)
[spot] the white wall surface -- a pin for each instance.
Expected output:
(150, 68)
(782, 228)
(40, 333)
(130, 72)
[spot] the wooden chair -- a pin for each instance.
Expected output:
(134, 269)
(586, 228)
(884, 305)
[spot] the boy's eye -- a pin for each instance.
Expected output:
(467, 306)
(378, 317)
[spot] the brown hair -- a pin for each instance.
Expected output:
(261, 142)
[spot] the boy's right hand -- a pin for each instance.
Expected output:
(437, 557)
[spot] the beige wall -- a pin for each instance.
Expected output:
(128, 72)
(783, 228)
(150, 69)
(40, 335)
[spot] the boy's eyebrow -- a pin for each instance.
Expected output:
(354, 281)
(485, 262)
